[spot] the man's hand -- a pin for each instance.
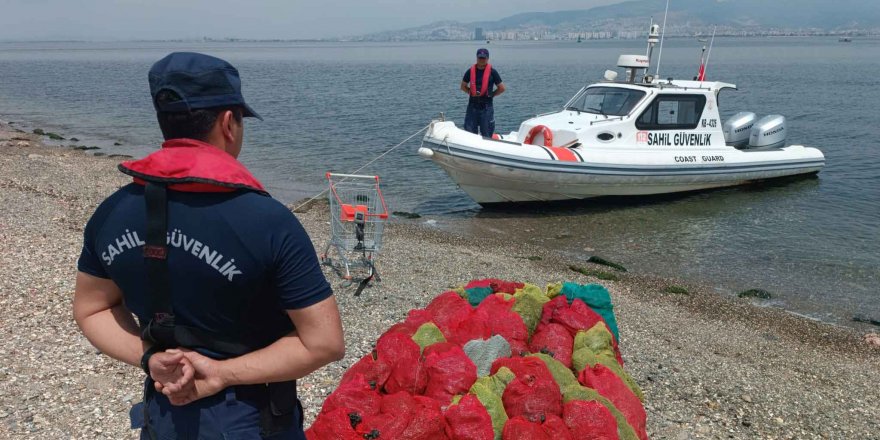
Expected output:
(171, 371)
(206, 379)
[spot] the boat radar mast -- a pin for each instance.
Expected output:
(635, 63)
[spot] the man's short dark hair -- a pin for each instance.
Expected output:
(194, 124)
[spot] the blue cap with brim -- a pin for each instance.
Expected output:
(483, 53)
(200, 81)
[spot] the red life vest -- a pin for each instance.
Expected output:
(192, 166)
(487, 73)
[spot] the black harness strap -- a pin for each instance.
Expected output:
(160, 329)
(277, 401)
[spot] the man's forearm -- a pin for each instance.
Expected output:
(286, 359)
(114, 332)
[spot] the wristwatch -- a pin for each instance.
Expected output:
(145, 359)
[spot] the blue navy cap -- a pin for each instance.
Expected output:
(201, 81)
(483, 53)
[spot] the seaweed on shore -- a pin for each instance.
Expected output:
(405, 214)
(755, 293)
(602, 275)
(866, 320)
(676, 289)
(604, 262)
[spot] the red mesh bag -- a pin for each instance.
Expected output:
(502, 319)
(427, 423)
(532, 397)
(554, 340)
(474, 326)
(404, 355)
(556, 429)
(523, 365)
(496, 285)
(589, 420)
(374, 371)
(518, 428)
(398, 403)
(604, 381)
(576, 317)
(439, 348)
(356, 395)
(480, 283)
(469, 420)
(553, 428)
(518, 348)
(383, 426)
(551, 307)
(449, 373)
(334, 425)
(448, 309)
(414, 319)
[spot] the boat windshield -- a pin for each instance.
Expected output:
(606, 101)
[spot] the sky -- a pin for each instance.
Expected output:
(22, 20)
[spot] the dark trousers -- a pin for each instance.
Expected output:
(480, 116)
(224, 415)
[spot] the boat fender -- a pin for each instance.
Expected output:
(545, 132)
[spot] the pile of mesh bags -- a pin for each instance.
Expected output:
(492, 360)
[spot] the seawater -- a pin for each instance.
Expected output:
(334, 106)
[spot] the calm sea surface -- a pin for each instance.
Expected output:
(333, 106)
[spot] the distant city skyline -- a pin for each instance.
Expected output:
(24, 20)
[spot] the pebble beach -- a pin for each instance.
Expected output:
(711, 367)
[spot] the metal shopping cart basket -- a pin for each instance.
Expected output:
(357, 218)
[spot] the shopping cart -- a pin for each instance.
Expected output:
(357, 219)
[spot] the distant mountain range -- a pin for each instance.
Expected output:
(686, 17)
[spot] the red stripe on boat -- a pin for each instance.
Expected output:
(563, 154)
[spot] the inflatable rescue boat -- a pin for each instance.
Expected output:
(636, 136)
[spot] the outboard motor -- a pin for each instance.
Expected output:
(738, 128)
(768, 132)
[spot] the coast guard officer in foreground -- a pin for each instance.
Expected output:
(231, 304)
(482, 83)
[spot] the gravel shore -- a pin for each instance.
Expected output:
(710, 367)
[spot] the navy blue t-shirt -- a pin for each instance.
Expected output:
(236, 260)
(494, 80)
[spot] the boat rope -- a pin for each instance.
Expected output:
(364, 166)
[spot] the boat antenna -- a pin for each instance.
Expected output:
(711, 43)
(662, 34)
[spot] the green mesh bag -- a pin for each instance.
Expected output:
(529, 306)
(553, 290)
(531, 288)
(494, 406)
(428, 334)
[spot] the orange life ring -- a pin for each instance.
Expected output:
(545, 132)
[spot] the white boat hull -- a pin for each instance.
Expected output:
(498, 172)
